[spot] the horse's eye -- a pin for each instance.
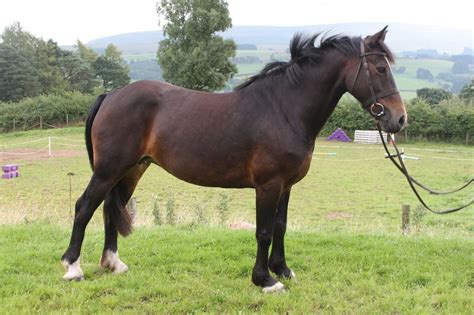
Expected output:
(381, 69)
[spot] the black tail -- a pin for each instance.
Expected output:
(90, 119)
(115, 208)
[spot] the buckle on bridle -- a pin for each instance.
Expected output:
(377, 110)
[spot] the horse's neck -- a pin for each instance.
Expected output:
(310, 106)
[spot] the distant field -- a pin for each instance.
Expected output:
(435, 66)
(139, 57)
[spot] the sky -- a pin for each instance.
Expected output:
(66, 21)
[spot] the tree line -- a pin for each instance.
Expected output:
(31, 66)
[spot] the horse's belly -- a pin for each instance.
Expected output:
(210, 172)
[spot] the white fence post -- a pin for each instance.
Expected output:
(49, 146)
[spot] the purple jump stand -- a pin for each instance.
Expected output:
(339, 135)
(10, 171)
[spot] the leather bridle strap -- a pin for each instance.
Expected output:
(412, 182)
(369, 103)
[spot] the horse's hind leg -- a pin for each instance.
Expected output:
(85, 207)
(277, 261)
(116, 217)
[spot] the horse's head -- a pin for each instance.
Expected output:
(370, 80)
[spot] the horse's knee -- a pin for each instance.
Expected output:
(264, 238)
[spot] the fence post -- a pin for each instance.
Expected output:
(132, 208)
(405, 219)
(14, 125)
(67, 120)
(41, 122)
(49, 146)
(467, 138)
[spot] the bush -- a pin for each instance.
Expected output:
(52, 108)
(451, 120)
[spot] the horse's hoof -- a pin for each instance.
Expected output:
(111, 261)
(74, 271)
(277, 287)
(292, 275)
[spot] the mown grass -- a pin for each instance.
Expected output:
(201, 269)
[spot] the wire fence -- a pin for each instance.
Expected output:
(40, 147)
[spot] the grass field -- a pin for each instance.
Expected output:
(344, 240)
(201, 269)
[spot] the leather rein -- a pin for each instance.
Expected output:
(377, 110)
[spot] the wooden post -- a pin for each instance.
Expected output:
(49, 146)
(14, 125)
(405, 219)
(132, 208)
(41, 122)
(67, 120)
(70, 174)
(467, 138)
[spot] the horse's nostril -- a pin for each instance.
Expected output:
(401, 121)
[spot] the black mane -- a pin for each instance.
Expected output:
(303, 50)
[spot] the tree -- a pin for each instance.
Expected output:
(18, 77)
(192, 55)
(86, 53)
(111, 68)
(424, 74)
(460, 67)
(433, 96)
(467, 92)
(78, 72)
(112, 53)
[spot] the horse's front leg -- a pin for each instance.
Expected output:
(267, 201)
(277, 262)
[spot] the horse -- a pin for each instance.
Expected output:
(261, 136)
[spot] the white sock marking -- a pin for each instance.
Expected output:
(277, 287)
(111, 261)
(74, 271)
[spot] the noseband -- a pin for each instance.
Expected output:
(376, 109)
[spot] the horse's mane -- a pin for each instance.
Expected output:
(303, 50)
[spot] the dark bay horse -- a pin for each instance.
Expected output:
(260, 136)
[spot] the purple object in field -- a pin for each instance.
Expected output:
(10, 171)
(339, 135)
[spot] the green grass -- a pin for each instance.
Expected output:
(198, 269)
(434, 65)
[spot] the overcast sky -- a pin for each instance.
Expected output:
(66, 21)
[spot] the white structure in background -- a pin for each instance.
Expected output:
(370, 137)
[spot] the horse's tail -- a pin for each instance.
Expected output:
(115, 208)
(90, 119)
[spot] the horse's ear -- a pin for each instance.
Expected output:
(377, 37)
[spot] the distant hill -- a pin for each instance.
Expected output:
(402, 37)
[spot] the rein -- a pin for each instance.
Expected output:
(412, 182)
(377, 110)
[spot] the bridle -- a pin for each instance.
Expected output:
(412, 181)
(376, 109)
